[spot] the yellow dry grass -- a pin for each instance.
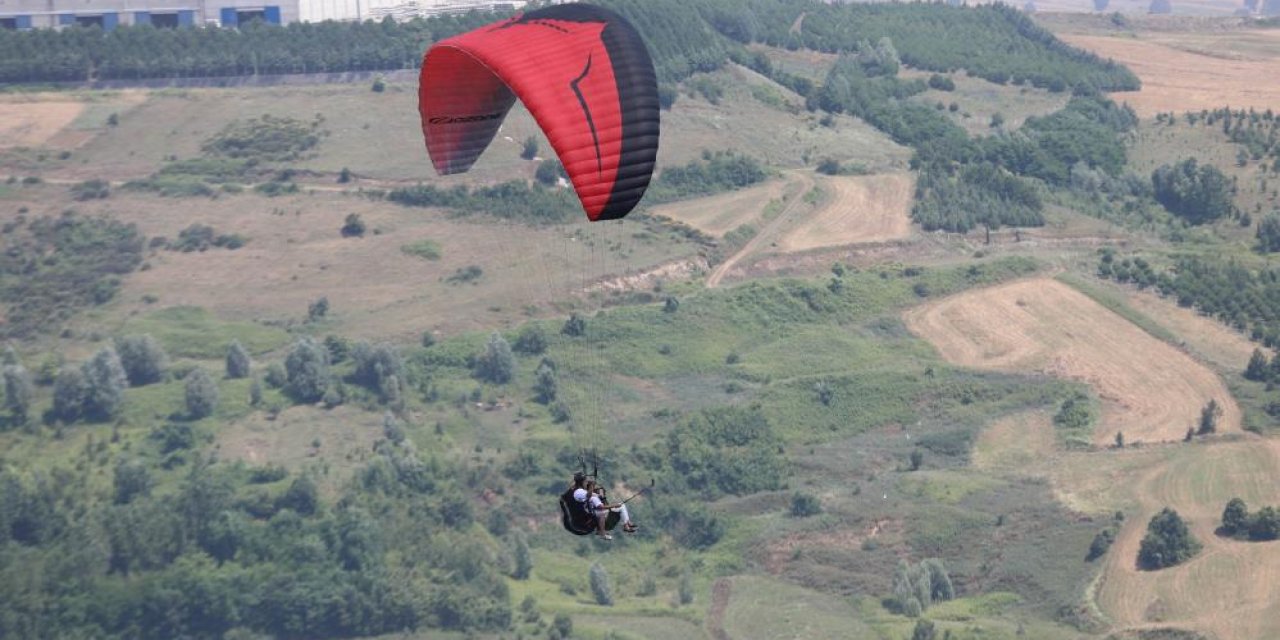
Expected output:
(1150, 391)
(719, 214)
(31, 124)
(1015, 444)
(1175, 79)
(1208, 339)
(1231, 589)
(859, 210)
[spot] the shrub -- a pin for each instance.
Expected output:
(201, 394)
(143, 359)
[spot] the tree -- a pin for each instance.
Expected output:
(301, 496)
(549, 172)
(353, 226)
(1269, 233)
(238, 363)
(69, 393)
(1197, 193)
(1265, 525)
(1101, 5)
(924, 631)
(1168, 542)
(255, 392)
(307, 370)
(132, 479)
(1235, 517)
(1119, 439)
(563, 624)
(201, 394)
(18, 392)
(1209, 416)
(671, 305)
(496, 364)
(600, 585)
(575, 326)
(1257, 368)
(143, 359)
(531, 341)
(545, 386)
(529, 150)
(917, 459)
(685, 588)
(523, 559)
(1163, 7)
(105, 382)
(997, 120)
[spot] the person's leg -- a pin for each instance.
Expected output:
(600, 530)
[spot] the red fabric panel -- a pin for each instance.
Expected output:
(562, 72)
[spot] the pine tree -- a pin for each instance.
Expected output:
(1257, 367)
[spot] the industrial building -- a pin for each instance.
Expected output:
(108, 14)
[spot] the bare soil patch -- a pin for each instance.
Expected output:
(860, 209)
(1175, 79)
(719, 214)
(31, 124)
(1150, 391)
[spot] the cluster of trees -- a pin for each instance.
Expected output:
(916, 587)
(714, 172)
(1246, 299)
(1238, 523)
(719, 451)
(994, 42)
(1168, 542)
(516, 200)
(1194, 192)
(141, 52)
(50, 267)
(246, 552)
(966, 182)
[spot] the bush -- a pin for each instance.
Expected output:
(531, 341)
(497, 364)
(600, 587)
(91, 190)
(105, 382)
(804, 505)
(353, 226)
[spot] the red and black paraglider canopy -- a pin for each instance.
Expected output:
(585, 76)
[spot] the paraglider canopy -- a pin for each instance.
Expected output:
(585, 76)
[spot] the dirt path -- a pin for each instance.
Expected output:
(770, 228)
(1150, 391)
(720, 592)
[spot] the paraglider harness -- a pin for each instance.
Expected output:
(577, 517)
